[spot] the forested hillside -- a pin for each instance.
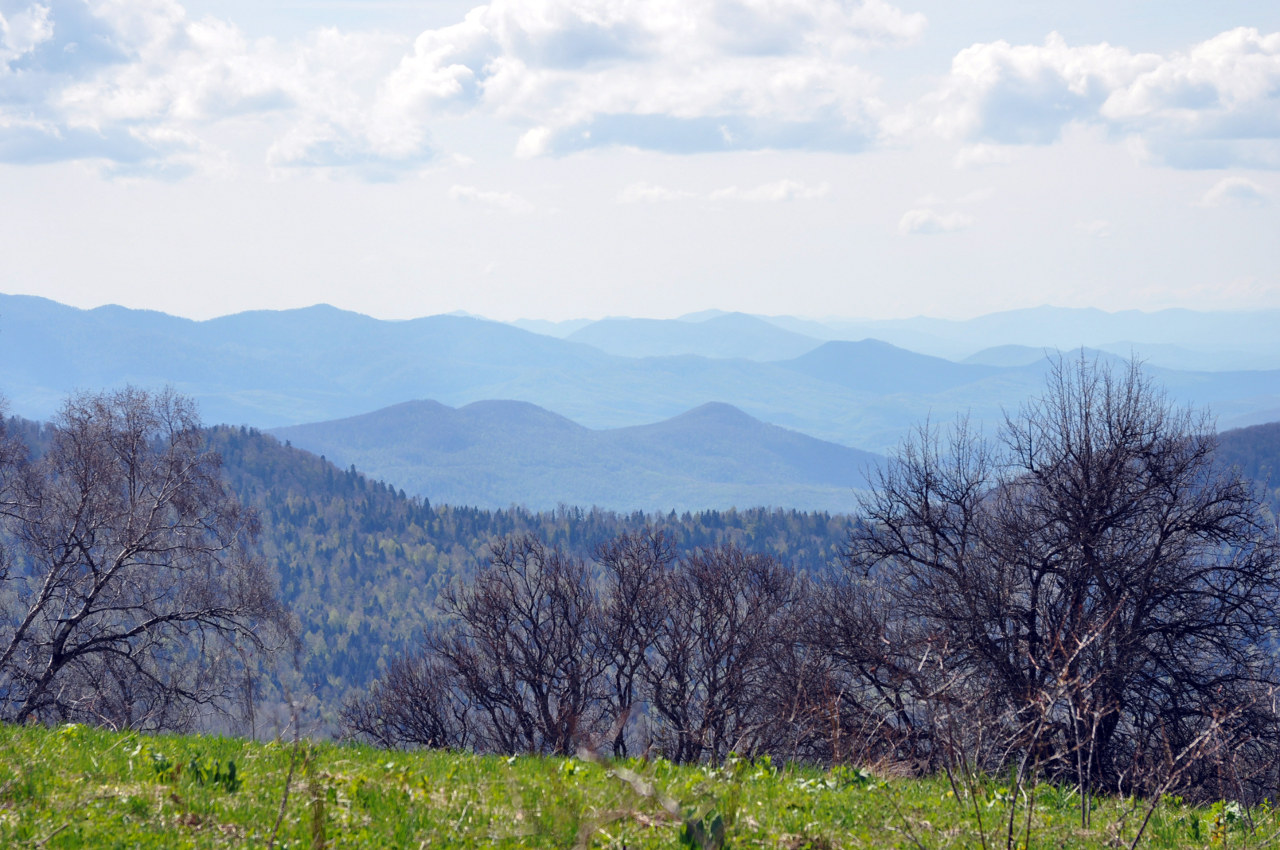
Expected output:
(1255, 451)
(498, 453)
(361, 564)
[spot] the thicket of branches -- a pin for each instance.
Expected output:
(541, 655)
(129, 594)
(1086, 597)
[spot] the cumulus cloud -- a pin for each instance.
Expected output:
(776, 192)
(676, 75)
(1235, 191)
(982, 156)
(22, 32)
(927, 222)
(780, 190)
(999, 93)
(1218, 104)
(111, 79)
(140, 85)
(1215, 105)
(505, 201)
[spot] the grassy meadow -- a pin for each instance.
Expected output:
(74, 786)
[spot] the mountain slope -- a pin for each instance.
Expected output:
(275, 368)
(872, 366)
(361, 564)
(724, 335)
(497, 453)
(1255, 452)
(1175, 338)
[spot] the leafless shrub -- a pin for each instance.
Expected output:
(546, 659)
(1086, 599)
(414, 703)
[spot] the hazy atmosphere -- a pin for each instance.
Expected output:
(564, 158)
(640, 424)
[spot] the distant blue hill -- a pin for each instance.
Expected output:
(278, 368)
(1006, 355)
(1175, 338)
(721, 335)
(872, 366)
(499, 453)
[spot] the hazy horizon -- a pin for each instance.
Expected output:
(559, 159)
(691, 316)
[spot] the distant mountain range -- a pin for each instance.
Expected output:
(727, 335)
(274, 369)
(1173, 339)
(494, 454)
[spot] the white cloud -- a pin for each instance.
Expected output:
(776, 192)
(651, 194)
(780, 190)
(982, 156)
(140, 83)
(505, 201)
(678, 75)
(1099, 228)
(999, 93)
(1235, 191)
(926, 222)
(1215, 105)
(534, 143)
(146, 86)
(21, 33)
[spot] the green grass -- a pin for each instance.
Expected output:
(79, 787)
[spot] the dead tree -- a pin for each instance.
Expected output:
(415, 703)
(133, 594)
(708, 675)
(1107, 585)
(632, 608)
(523, 651)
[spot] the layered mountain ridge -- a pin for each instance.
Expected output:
(492, 454)
(284, 368)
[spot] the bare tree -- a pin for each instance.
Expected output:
(523, 651)
(414, 703)
(12, 457)
(708, 675)
(878, 677)
(133, 593)
(1106, 583)
(633, 607)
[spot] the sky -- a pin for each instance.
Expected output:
(583, 158)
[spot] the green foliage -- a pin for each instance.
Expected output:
(210, 771)
(74, 787)
(360, 564)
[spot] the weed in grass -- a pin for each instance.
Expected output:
(209, 771)
(704, 831)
